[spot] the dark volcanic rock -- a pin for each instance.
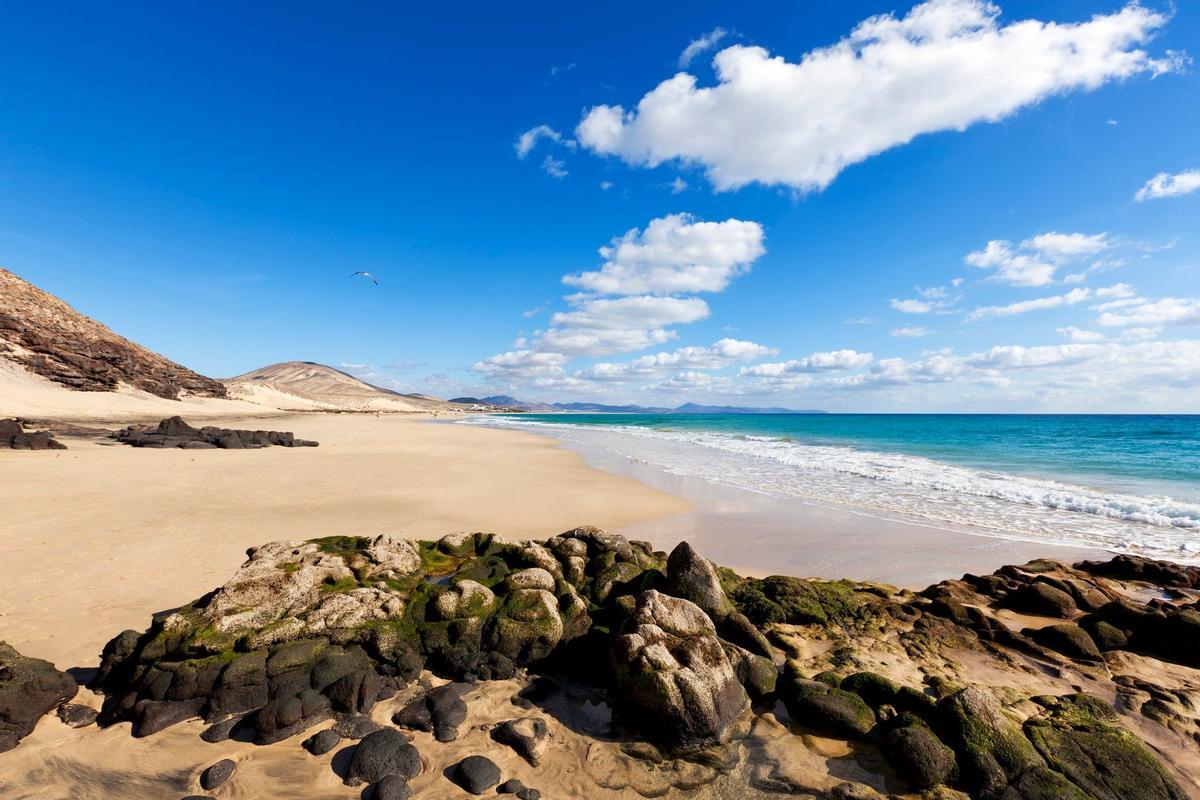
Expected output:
(217, 774)
(1137, 568)
(173, 432)
(355, 726)
(49, 338)
(29, 688)
(322, 742)
(476, 774)
(529, 736)
(385, 752)
(391, 787)
(1042, 599)
(917, 756)
(14, 437)
(76, 715)
(440, 711)
(992, 751)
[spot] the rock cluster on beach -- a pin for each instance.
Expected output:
(173, 432)
(14, 437)
(997, 687)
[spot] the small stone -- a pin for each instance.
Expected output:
(476, 774)
(76, 715)
(510, 786)
(384, 752)
(321, 743)
(529, 736)
(217, 774)
(529, 793)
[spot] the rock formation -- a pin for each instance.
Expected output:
(29, 689)
(686, 655)
(48, 337)
(174, 432)
(14, 437)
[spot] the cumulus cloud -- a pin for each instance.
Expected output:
(911, 332)
(911, 306)
(945, 65)
(522, 364)
(934, 298)
(1035, 260)
(701, 44)
(1166, 185)
(1073, 297)
(675, 255)
(602, 326)
(817, 362)
(554, 167)
(720, 354)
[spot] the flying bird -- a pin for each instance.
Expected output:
(366, 275)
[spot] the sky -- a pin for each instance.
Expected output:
(854, 206)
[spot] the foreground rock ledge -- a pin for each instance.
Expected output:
(693, 658)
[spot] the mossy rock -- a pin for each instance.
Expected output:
(1078, 739)
(990, 746)
(781, 599)
(1105, 636)
(1070, 640)
(918, 756)
(823, 708)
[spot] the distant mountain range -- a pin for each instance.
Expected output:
(512, 403)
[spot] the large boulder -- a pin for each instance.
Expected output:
(694, 578)
(917, 755)
(385, 752)
(29, 689)
(14, 437)
(991, 748)
(672, 679)
(440, 711)
(1079, 737)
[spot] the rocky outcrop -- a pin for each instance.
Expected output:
(672, 679)
(173, 432)
(49, 338)
(314, 630)
(14, 437)
(29, 689)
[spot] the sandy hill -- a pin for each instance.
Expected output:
(303, 385)
(48, 338)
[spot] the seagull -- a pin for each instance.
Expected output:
(367, 275)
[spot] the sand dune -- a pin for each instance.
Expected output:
(303, 385)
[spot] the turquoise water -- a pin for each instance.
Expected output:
(1122, 452)
(1125, 482)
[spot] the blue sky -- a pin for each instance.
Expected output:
(205, 179)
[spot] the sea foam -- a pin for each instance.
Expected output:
(905, 486)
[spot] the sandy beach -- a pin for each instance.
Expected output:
(100, 536)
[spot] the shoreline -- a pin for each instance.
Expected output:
(791, 536)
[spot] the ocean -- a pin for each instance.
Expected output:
(1128, 483)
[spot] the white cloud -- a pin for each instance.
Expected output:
(1167, 311)
(911, 306)
(1035, 260)
(911, 332)
(522, 364)
(720, 354)
(1165, 185)
(606, 185)
(675, 255)
(554, 167)
(946, 65)
(817, 362)
(679, 185)
(701, 44)
(602, 326)
(1075, 334)
(1067, 245)
(528, 140)
(1073, 297)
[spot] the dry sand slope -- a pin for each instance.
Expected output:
(98, 537)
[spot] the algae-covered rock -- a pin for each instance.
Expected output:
(694, 578)
(672, 679)
(823, 708)
(1070, 640)
(917, 756)
(990, 746)
(1079, 738)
